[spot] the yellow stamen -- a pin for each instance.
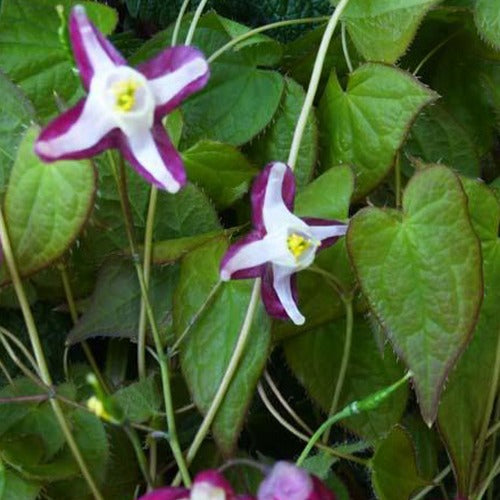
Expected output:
(96, 406)
(297, 244)
(125, 94)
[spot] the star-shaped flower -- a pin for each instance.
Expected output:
(280, 244)
(124, 106)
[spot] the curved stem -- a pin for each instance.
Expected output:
(272, 410)
(433, 51)
(139, 453)
(228, 375)
(435, 482)
(261, 29)
(178, 21)
(343, 365)
(40, 356)
(345, 50)
(495, 470)
(19, 345)
(355, 408)
(194, 22)
(162, 358)
(313, 84)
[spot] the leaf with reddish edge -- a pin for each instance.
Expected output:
(420, 271)
(463, 406)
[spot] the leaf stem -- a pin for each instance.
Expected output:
(435, 482)
(139, 453)
(178, 21)
(228, 376)
(162, 358)
(433, 51)
(495, 470)
(39, 355)
(313, 84)
(344, 363)
(345, 49)
(194, 22)
(355, 408)
(261, 29)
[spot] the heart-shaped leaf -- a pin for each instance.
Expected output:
(46, 206)
(421, 273)
(366, 124)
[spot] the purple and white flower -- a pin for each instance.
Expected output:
(124, 106)
(280, 244)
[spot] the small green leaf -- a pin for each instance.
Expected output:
(487, 17)
(115, 304)
(14, 487)
(463, 407)
(16, 113)
(140, 401)
(421, 273)
(437, 137)
(31, 53)
(220, 169)
(383, 30)
(46, 206)
(365, 125)
(210, 341)
(315, 359)
(274, 143)
(394, 469)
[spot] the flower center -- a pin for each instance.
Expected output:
(207, 491)
(298, 244)
(125, 94)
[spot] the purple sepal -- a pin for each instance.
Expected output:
(168, 61)
(168, 493)
(249, 272)
(272, 303)
(171, 158)
(76, 20)
(259, 191)
(61, 124)
(314, 221)
(320, 491)
(214, 478)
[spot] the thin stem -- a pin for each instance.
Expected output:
(162, 359)
(139, 453)
(70, 299)
(153, 460)
(435, 482)
(194, 22)
(39, 355)
(228, 375)
(285, 405)
(330, 278)
(272, 410)
(344, 363)
(478, 453)
(148, 253)
(355, 408)
(6, 372)
(397, 180)
(345, 48)
(433, 51)
(495, 470)
(260, 29)
(178, 21)
(313, 84)
(20, 346)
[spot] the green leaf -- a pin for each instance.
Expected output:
(208, 347)
(31, 53)
(220, 169)
(437, 137)
(274, 143)
(46, 206)
(14, 487)
(187, 213)
(16, 113)
(463, 407)
(115, 304)
(315, 359)
(394, 469)
(366, 124)
(421, 274)
(140, 401)
(487, 17)
(383, 30)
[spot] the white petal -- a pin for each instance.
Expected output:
(145, 150)
(323, 232)
(275, 213)
(283, 287)
(168, 86)
(253, 254)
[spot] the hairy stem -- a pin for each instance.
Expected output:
(40, 356)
